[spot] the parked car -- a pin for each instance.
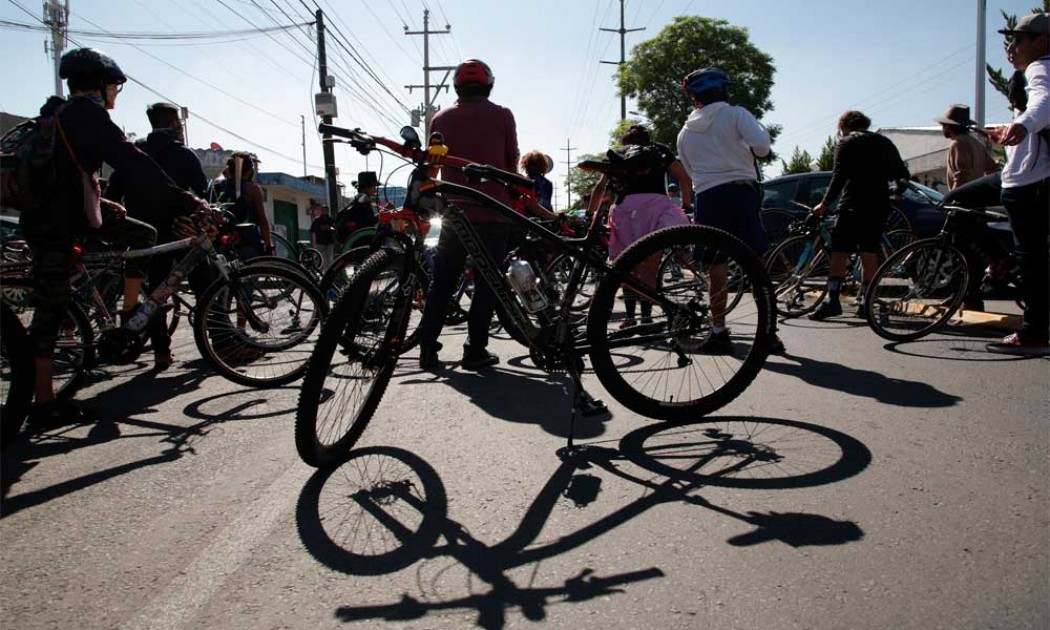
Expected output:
(800, 192)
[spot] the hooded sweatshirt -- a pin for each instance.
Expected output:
(715, 145)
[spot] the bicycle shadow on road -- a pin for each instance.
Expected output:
(384, 509)
(865, 383)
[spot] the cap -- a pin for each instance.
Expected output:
(1033, 23)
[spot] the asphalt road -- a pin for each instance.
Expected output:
(854, 485)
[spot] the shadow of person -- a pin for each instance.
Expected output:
(525, 398)
(879, 387)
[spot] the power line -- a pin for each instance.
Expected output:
(158, 35)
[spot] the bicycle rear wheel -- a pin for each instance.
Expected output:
(16, 375)
(354, 359)
(260, 328)
(664, 369)
(798, 269)
(74, 351)
(917, 290)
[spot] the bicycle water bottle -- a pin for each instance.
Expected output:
(526, 285)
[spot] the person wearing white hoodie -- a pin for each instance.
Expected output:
(717, 146)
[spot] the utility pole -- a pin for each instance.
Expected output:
(623, 54)
(56, 17)
(302, 121)
(184, 113)
(331, 182)
(428, 102)
(568, 162)
(978, 99)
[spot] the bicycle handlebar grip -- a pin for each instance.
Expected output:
(335, 131)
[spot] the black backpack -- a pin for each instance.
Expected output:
(27, 164)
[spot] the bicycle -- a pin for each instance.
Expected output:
(654, 368)
(255, 324)
(917, 291)
(800, 264)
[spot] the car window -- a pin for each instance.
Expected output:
(779, 194)
(818, 185)
(911, 195)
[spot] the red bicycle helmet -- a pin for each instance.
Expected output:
(473, 72)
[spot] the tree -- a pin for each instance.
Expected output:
(995, 76)
(801, 162)
(580, 182)
(654, 73)
(826, 159)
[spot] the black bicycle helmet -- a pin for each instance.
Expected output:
(88, 67)
(699, 81)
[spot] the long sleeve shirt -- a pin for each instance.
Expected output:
(968, 159)
(865, 163)
(1029, 161)
(718, 144)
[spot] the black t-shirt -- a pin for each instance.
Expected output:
(647, 168)
(323, 229)
(865, 163)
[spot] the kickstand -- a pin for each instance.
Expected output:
(582, 404)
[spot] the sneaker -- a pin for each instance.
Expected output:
(1017, 345)
(56, 413)
(827, 309)
(428, 356)
(776, 346)
(717, 343)
(862, 311)
(475, 359)
(162, 360)
(627, 323)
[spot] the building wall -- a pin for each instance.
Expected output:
(925, 151)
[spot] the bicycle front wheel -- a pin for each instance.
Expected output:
(260, 327)
(666, 367)
(917, 290)
(798, 269)
(16, 375)
(354, 359)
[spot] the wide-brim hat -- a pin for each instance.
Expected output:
(958, 115)
(366, 179)
(1033, 23)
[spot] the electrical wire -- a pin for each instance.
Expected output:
(157, 35)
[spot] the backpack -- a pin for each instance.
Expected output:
(27, 165)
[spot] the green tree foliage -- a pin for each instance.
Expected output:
(801, 162)
(581, 182)
(653, 75)
(996, 76)
(826, 159)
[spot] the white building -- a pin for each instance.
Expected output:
(925, 151)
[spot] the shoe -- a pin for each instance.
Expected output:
(1017, 345)
(162, 360)
(862, 311)
(476, 359)
(717, 343)
(627, 323)
(776, 346)
(56, 413)
(827, 309)
(428, 356)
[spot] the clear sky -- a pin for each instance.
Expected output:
(901, 61)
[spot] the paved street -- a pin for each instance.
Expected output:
(856, 484)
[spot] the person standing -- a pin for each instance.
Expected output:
(717, 146)
(865, 163)
(322, 232)
(968, 157)
(1026, 183)
(536, 165)
(165, 145)
(481, 131)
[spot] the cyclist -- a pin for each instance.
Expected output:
(479, 130)
(864, 164)
(1026, 183)
(362, 211)
(718, 145)
(88, 138)
(165, 145)
(237, 189)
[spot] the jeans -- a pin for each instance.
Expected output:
(449, 261)
(1030, 221)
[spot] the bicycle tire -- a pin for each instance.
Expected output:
(777, 224)
(667, 367)
(283, 340)
(897, 221)
(917, 290)
(799, 276)
(283, 247)
(682, 275)
(365, 328)
(16, 375)
(74, 351)
(344, 268)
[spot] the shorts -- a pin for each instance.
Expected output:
(734, 207)
(858, 230)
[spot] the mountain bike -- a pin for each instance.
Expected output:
(656, 368)
(800, 264)
(919, 289)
